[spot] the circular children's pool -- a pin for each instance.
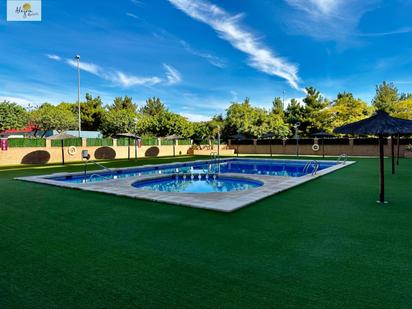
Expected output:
(197, 184)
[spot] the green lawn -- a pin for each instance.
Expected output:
(323, 244)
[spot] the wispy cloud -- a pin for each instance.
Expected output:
(85, 66)
(122, 79)
(213, 60)
(53, 57)
(173, 76)
(335, 20)
(132, 15)
(230, 29)
(403, 30)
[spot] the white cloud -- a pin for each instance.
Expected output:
(335, 20)
(86, 66)
(196, 117)
(130, 80)
(230, 29)
(173, 76)
(53, 57)
(121, 78)
(132, 15)
(17, 100)
(316, 7)
(213, 60)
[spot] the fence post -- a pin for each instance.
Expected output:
(84, 142)
(114, 142)
(48, 143)
(159, 141)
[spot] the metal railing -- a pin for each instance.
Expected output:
(94, 174)
(342, 158)
(314, 164)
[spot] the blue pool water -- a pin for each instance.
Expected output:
(197, 184)
(289, 168)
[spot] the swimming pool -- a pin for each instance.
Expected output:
(274, 175)
(269, 167)
(202, 183)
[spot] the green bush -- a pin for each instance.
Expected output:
(167, 142)
(124, 142)
(99, 142)
(149, 141)
(184, 142)
(27, 142)
(67, 142)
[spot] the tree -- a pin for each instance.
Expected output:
(294, 113)
(153, 107)
(386, 96)
(403, 109)
(314, 103)
(344, 109)
(277, 107)
(49, 117)
(168, 123)
(91, 113)
(253, 121)
(118, 121)
(120, 103)
(12, 116)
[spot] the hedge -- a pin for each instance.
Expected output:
(334, 141)
(273, 141)
(27, 142)
(99, 142)
(149, 141)
(184, 142)
(124, 142)
(166, 142)
(67, 142)
(368, 141)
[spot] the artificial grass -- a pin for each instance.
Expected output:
(323, 244)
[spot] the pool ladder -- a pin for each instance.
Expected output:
(96, 175)
(314, 164)
(342, 159)
(215, 158)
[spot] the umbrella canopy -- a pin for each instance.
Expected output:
(129, 135)
(173, 137)
(380, 124)
(322, 134)
(269, 135)
(61, 136)
(238, 137)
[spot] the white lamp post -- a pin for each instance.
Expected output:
(77, 58)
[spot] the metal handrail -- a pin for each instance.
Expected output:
(99, 165)
(343, 157)
(97, 175)
(313, 163)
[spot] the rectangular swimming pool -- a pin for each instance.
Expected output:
(269, 167)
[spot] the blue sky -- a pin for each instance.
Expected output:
(198, 56)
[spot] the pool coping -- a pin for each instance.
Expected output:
(217, 201)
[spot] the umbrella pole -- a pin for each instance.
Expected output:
(128, 148)
(62, 152)
(270, 143)
(174, 150)
(323, 149)
(382, 171)
(399, 147)
(393, 153)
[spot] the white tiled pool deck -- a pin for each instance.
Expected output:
(218, 201)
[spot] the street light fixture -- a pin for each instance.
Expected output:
(77, 58)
